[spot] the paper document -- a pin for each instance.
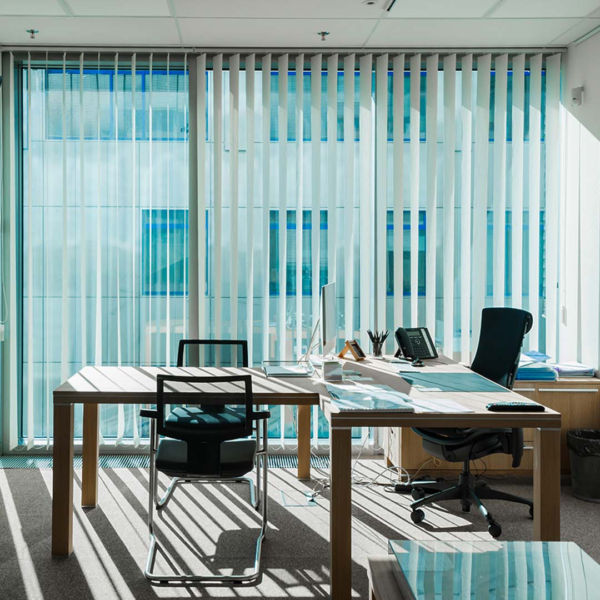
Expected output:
(369, 397)
(440, 405)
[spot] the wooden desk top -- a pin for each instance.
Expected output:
(386, 373)
(137, 385)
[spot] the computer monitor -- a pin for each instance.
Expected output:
(328, 318)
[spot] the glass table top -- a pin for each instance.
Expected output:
(493, 570)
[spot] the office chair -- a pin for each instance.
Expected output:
(213, 353)
(497, 359)
(206, 447)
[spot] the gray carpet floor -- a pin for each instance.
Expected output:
(212, 528)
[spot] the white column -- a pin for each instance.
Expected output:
(449, 199)
(552, 195)
(535, 132)
(480, 196)
(465, 208)
(250, 65)
(366, 195)
(499, 261)
(349, 145)
(518, 120)
(398, 120)
(415, 149)
(431, 141)
(381, 148)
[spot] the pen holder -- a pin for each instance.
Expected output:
(377, 348)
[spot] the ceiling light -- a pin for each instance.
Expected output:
(32, 33)
(370, 2)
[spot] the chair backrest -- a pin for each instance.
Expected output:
(208, 429)
(500, 340)
(212, 353)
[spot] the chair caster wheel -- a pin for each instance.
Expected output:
(417, 516)
(418, 493)
(495, 529)
(531, 511)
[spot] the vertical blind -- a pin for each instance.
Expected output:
(420, 185)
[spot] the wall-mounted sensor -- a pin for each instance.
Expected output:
(577, 96)
(32, 33)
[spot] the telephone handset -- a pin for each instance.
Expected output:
(415, 343)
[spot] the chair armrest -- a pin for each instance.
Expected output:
(149, 413)
(260, 414)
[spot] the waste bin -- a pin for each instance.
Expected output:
(584, 448)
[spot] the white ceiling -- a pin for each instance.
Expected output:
(296, 23)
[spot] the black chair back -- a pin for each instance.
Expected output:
(212, 353)
(501, 338)
(205, 431)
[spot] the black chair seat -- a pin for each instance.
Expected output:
(237, 458)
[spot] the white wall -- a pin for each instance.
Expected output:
(580, 256)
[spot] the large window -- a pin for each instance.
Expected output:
(106, 230)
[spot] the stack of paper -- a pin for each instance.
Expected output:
(573, 369)
(535, 371)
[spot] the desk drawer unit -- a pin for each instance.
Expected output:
(578, 401)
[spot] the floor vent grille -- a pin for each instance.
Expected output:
(137, 461)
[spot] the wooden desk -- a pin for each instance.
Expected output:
(93, 386)
(546, 427)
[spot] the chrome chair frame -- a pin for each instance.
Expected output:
(258, 498)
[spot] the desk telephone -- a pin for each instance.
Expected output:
(414, 343)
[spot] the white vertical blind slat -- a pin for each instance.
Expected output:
(480, 195)
(535, 132)
(315, 136)
(30, 294)
(134, 171)
(381, 149)
(98, 340)
(266, 199)
(234, 115)
(398, 145)
(431, 208)
(218, 190)
(299, 198)
(415, 134)
(168, 252)
(250, 66)
(518, 121)
(332, 75)
(499, 250)
(201, 224)
(83, 263)
(150, 192)
(366, 194)
(465, 207)
(283, 65)
(185, 152)
(552, 173)
(120, 408)
(64, 358)
(349, 66)
(449, 200)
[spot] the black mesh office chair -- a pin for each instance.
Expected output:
(206, 446)
(212, 353)
(497, 359)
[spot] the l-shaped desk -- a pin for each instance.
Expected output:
(132, 385)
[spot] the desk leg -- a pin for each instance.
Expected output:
(303, 441)
(62, 481)
(341, 514)
(546, 485)
(90, 455)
